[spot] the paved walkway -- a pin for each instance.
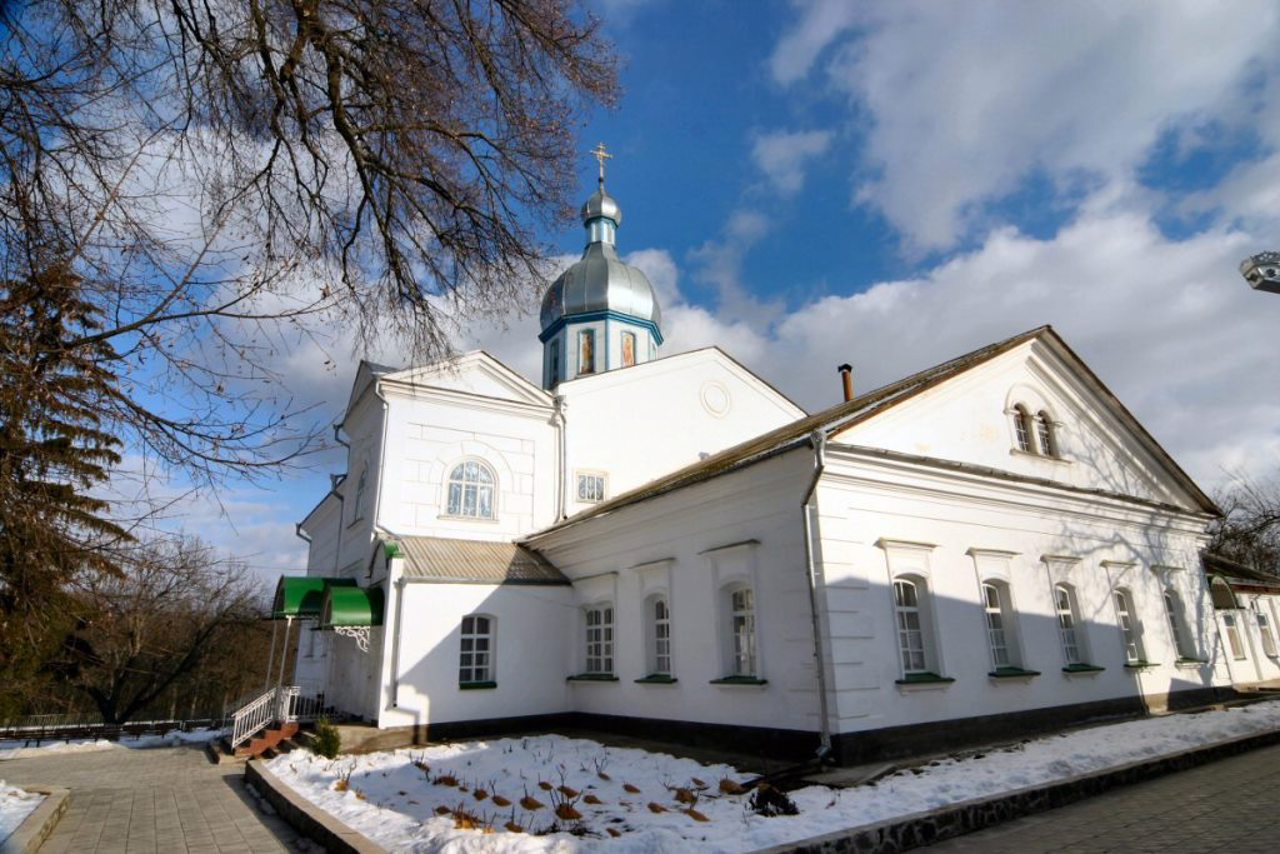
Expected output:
(1229, 805)
(158, 801)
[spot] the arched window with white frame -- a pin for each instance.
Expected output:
(1264, 631)
(658, 614)
(1074, 651)
(1130, 626)
(744, 661)
(911, 604)
(1046, 434)
(471, 490)
(1177, 617)
(1002, 640)
(1022, 429)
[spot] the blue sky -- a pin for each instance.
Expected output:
(895, 183)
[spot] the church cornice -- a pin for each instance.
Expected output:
(606, 314)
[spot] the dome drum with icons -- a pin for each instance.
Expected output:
(601, 313)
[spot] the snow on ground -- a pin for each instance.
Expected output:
(427, 800)
(19, 748)
(15, 806)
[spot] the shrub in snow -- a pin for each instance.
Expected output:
(769, 802)
(327, 741)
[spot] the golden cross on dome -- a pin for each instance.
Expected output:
(601, 155)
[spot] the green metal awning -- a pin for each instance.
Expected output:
(351, 606)
(303, 596)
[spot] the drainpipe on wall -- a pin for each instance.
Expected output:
(558, 418)
(376, 519)
(819, 441)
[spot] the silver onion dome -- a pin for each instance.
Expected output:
(601, 204)
(600, 280)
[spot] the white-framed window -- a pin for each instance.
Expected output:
(1000, 639)
(1130, 626)
(1064, 601)
(1233, 636)
(586, 351)
(1045, 434)
(475, 658)
(1264, 629)
(599, 651)
(744, 660)
(471, 489)
(658, 611)
(1178, 625)
(591, 486)
(1022, 429)
(914, 643)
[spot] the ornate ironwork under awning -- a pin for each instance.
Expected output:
(352, 612)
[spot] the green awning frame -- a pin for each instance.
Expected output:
(346, 607)
(303, 596)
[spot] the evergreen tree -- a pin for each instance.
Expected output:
(53, 452)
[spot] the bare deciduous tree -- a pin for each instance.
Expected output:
(1249, 530)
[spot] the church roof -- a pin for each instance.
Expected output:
(848, 413)
(442, 559)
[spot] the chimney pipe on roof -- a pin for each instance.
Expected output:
(846, 374)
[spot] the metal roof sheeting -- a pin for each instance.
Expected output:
(472, 561)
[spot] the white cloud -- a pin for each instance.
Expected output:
(783, 155)
(966, 101)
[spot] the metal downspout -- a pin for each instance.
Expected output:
(819, 441)
(563, 473)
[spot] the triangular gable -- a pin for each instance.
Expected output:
(474, 373)
(366, 373)
(967, 417)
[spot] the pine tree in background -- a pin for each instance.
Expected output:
(53, 453)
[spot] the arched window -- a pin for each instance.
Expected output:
(659, 614)
(1022, 428)
(1045, 435)
(471, 490)
(1001, 625)
(1233, 636)
(1264, 629)
(1064, 600)
(914, 643)
(1130, 626)
(1178, 625)
(742, 625)
(475, 662)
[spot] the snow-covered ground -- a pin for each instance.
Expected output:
(15, 806)
(17, 748)
(460, 797)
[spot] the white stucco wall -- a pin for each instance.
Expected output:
(639, 423)
(685, 542)
(530, 653)
(878, 518)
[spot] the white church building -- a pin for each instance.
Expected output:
(667, 545)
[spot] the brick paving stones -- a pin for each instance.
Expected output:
(156, 801)
(1232, 805)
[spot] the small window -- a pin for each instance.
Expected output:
(587, 351)
(1045, 433)
(1068, 625)
(660, 637)
(1268, 639)
(362, 484)
(1177, 625)
(1233, 636)
(471, 490)
(599, 620)
(553, 356)
(1130, 627)
(1022, 429)
(628, 349)
(590, 487)
(999, 625)
(742, 621)
(475, 662)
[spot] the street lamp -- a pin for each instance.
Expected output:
(1262, 271)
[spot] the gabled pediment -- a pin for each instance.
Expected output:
(476, 373)
(1073, 429)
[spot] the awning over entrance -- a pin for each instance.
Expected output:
(303, 596)
(346, 607)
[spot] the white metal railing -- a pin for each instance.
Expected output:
(253, 717)
(283, 705)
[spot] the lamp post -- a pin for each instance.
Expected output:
(1262, 271)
